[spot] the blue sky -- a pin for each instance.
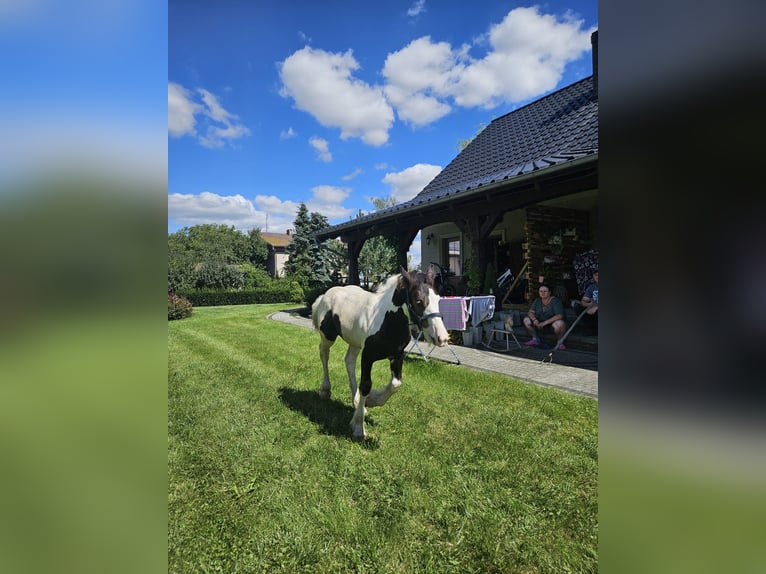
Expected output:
(331, 103)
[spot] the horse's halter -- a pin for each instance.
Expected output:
(420, 319)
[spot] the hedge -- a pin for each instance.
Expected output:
(209, 297)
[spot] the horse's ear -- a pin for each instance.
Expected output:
(430, 276)
(406, 279)
(402, 286)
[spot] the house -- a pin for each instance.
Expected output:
(523, 191)
(278, 256)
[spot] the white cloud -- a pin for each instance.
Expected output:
(418, 7)
(272, 204)
(206, 207)
(321, 83)
(526, 57)
(267, 213)
(330, 194)
(529, 52)
(358, 171)
(220, 125)
(214, 109)
(322, 147)
(287, 134)
(328, 200)
(407, 183)
(419, 77)
(181, 111)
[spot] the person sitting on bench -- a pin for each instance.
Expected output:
(590, 297)
(546, 313)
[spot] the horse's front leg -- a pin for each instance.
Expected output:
(379, 398)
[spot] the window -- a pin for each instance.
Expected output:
(452, 251)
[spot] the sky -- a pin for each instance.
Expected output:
(271, 104)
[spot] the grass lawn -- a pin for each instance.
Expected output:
(462, 471)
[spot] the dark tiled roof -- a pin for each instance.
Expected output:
(556, 129)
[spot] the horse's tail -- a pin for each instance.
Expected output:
(315, 313)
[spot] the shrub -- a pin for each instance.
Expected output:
(219, 275)
(254, 277)
(178, 307)
(277, 292)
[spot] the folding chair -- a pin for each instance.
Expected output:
(433, 347)
(506, 332)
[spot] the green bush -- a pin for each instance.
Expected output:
(178, 307)
(312, 295)
(277, 292)
(254, 277)
(219, 275)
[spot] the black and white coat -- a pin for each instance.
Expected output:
(379, 326)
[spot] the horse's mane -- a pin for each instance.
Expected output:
(389, 284)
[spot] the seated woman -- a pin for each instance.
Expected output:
(546, 313)
(590, 297)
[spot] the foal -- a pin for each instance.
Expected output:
(379, 325)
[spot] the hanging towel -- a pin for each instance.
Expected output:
(454, 313)
(481, 309)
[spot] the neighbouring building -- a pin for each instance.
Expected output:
(278, 256)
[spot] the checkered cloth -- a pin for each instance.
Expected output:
(454, 313)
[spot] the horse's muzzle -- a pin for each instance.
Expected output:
(436, 333)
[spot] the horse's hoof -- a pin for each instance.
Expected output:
(324, 394)
(357, 431)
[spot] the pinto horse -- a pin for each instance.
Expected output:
(378, 325)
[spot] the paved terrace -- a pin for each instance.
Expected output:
(571, 371)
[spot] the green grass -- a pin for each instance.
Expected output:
(462, 471)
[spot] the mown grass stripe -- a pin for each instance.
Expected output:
(466, 472)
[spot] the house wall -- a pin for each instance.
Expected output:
(279, 264)
(555, 236)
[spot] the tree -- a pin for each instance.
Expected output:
(214, 242)
(337, 252)
(377, 259)
(298, 264)
(308, 263)
(259, 249)
(180, 263)
(211, 256)
(463, 143)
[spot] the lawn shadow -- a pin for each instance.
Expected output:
(332, 416)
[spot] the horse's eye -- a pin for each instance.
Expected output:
(419, 301)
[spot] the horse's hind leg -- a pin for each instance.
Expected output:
(324, 355)
(351, 355)
(365, 386)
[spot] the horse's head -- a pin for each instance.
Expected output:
(422, 305)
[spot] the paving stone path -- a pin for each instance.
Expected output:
(582, 381)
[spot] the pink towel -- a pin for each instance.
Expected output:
(454, 313)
